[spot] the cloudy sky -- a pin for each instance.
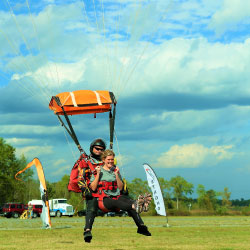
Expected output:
(179, 70)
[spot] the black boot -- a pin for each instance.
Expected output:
(143, 230)
(87, 236)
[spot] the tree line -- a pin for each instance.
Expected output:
(177, 192)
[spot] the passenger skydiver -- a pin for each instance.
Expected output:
(107, 185)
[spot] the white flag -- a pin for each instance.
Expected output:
(156, 190)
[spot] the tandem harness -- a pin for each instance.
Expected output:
(100, 194)
(81, 173)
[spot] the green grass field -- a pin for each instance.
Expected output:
(229, 232)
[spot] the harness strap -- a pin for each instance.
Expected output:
(101, 195)
(92, 167)
(107, 185)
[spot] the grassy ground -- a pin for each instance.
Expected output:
(117, 233)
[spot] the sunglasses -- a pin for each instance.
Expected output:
(98, 149)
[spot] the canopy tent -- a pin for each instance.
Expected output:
(84, 102)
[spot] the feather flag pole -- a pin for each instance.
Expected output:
(45, 215)
(156, 190)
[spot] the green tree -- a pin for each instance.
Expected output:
(136, 187)
(226, 198)
(165, 188)
(61, 188)
(207, 199)
(10, 188)
(180, 188)
(51, 190)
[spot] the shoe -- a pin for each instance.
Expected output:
(143, 230)
(87, 236)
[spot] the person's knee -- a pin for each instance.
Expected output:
(92, 209)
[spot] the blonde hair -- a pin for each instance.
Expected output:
(107, 153)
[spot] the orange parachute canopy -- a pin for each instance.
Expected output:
(82, 102)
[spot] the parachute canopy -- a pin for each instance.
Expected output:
(82, 102)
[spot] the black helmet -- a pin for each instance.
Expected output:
(97, 142)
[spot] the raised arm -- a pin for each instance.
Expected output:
(94, 183)
(118, 179)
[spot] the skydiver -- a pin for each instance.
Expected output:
(96, 149)
(107, 185)
(79, 181)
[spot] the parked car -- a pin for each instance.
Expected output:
(37, 210)
(121, 213)
(1, 209)
(81, 213)
(13, 209)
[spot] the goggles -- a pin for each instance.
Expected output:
(99, 149)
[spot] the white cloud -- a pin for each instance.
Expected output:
(101, 62)
(60, 170)
(28, 129)
(59, 162)
(20, 141)
(194, 66)
(34, 151)
(123, 160)
(232, 13)
(54, 74)
(193, 156)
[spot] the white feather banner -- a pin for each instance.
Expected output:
(156, 190)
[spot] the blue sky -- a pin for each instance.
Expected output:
(179, 69)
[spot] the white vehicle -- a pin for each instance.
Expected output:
(58, 207)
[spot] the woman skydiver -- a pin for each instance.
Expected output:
(107, 185)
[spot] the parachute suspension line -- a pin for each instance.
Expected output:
(99, 31)
(126, 68)
(127, 47)
(69, 144)
(55, 64)
(85, 12)
(96, 20)
(89, 25)
(38, 42)
(116, 45)
(70, 130)
(13, 47)
(18, 53)
(145, 48)
(27, 46)
(109, 77)
(30, 91)
(21, 85)
(133, 69)
(97, 25)
(119, 153)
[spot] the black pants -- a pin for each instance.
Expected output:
(91, 212)
(123, 203)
